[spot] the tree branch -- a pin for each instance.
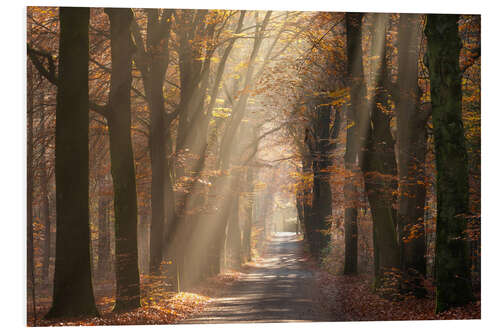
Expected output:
(50, 72)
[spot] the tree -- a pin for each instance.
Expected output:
(30, 269)
(378, 163)
(73, 292)
(122, 161)
(152, 60)
(412, 144)
(357, 97)
(320, 142)
(453, 284)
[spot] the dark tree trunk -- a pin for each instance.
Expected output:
(122, 162)
(320, 145)
(306, 193)
(322, 195)
(153, 62)
(158, 177)
(452, 269)
(73, 294)
(358, 94)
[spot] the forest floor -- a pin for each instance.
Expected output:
(355, 296)
(280, 286)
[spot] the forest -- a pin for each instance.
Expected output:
(194, 166)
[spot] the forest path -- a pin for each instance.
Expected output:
(278, 288)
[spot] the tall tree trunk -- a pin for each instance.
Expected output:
(29, 194)
(452, 269)
(73, 292)
(358, 94)
(322, 195)
(380, 171)
(411, 136)
(122, 162)
(152, 61)
(158, 164)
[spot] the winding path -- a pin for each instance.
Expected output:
(280, 288)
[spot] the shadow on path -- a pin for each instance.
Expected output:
(280, 288)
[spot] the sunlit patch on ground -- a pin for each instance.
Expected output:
(169, 310)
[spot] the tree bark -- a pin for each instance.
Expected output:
(452, 270)
(159, 63)
(122, 162)
(412, 139)
(152, 61)
(29, 196)
(73, 292)
(358, 94)
(322, 194)
(378, 164)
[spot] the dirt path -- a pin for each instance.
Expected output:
(280, 288)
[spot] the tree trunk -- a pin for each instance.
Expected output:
(44, 191)
(452, 269)
(158, 164)
(104, 237)
(234, 233)
(153, 72)
(73, 292)
(29, 196)
(380, 174)
(122, 162)
(247, 227)
(306, 200)
(411, 136)
(358, 94)
(322, 194)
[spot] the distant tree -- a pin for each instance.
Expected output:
(452, 269)
(73, 292)
(320, 142)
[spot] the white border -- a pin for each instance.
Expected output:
(13, 201)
